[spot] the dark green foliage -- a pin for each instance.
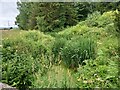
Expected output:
(41, 24)
(83, 9)
(117, 21)
(34, 11)
(105, 6)
(58, 47)
(78, 50)
(55, 16)
(50, 16)
(22, 18)
(117, 27)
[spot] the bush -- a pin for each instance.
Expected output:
(92, 19)
(19, 71)
(99, 74)
(77, 30)
(23, 57)
(33, 36)
(17, 67)
(77, 50)
(106, 19)
(97, 20)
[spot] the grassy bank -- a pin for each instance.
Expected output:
(82, 56)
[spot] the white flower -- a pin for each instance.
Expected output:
(0, 45)
(84, 81)
(117, 11)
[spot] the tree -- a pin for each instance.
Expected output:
(46, 16)
(57, 15)
(83, 9)
(34, 11)
(105, 6)
(22, 18)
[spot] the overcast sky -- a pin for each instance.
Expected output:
(8, 12)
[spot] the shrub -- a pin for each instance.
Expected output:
(105, 19)
(75, 30)
(92, 19)
(110, 28)
(17, 66)
(97, 20)
(77, 50)
(32, 36)
(23, 57)
(98, 73)
(18, 71)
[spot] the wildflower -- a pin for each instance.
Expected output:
(84, 81)
(78, 79)
(1, 46)
(99, 79)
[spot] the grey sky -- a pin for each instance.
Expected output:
(8, 12)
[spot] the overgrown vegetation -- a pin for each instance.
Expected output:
(77, 50)
(90, 50)
(23, 56)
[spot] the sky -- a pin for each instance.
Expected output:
(8, 13)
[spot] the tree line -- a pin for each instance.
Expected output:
(54, 16)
